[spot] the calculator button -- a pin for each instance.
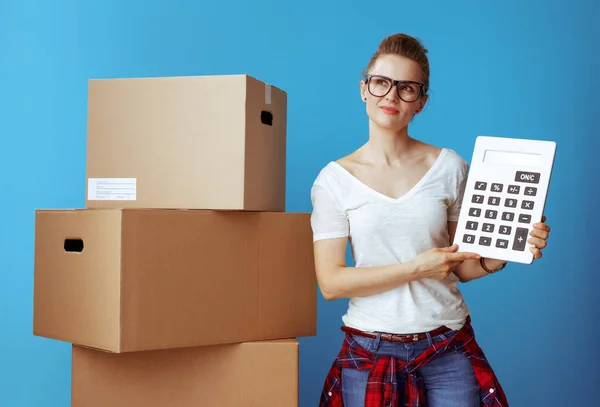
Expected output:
(469, 239)
(527, 205)
(485, 241)
(493, 200)
(530, 177)
(472, 225)
(480, 185)
(497, 187)
(531, 191)
(520, 239)
(475, 212)
(513, 189)
(477, 199)
(491, 214)
(524, 218)
(508, 216)
(504, 230)
(488, 227)
(502, 243)
(510, 202)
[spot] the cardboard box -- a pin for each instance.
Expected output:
(253, 374)
(133, 279)
(199, 142)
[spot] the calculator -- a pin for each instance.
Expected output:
(505, 194)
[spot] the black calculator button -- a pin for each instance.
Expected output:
(491, 214)
(469, 239)
(477, 199)
(475, 212)
(530, 191)
(529, 177)
(480, 186)
(524, 218)
(485, 241)
(510, 203)
(527, 205)
(472, 225)
(502, 243)
(520, 239)
(493, 200)
(508, 216)
(497, 187)
(488, 227)
(513, 189)
(504, 230)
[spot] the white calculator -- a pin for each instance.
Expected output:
(504, 196)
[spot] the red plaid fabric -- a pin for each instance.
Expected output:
(382, 387)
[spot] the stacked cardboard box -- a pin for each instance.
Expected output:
(183, 282)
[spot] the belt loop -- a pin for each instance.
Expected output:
(377, 340)
(429, 339)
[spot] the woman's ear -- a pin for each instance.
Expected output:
(363, 90)
(422, 103)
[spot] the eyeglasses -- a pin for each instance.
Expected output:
(408, 91)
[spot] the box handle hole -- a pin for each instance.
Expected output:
(266, 118)
(74, 245)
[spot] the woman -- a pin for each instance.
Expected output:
(397, 200)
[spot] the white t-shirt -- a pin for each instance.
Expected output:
(384, 231)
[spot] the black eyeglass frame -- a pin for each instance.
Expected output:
(395, 83)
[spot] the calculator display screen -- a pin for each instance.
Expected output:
(512, 158)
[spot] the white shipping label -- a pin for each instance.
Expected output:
(267, 94)
(112, 189)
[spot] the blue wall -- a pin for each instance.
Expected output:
(511, 68)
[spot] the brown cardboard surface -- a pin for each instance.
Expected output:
(252, 374)
(158, 279)
(196, 142)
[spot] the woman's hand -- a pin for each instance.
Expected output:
(437, 263)
(538, 239)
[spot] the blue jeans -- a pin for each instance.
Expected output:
(449, 379)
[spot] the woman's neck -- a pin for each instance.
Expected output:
(386, 147)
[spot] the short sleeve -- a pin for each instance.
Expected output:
(328, 220)
(457, 190)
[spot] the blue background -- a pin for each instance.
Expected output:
(510, 68)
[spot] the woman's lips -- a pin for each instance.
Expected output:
(389, 110)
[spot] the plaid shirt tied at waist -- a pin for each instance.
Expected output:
(382, 385)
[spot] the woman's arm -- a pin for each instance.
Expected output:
(336, 280)
(471, 269)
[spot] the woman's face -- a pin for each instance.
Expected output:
(388, 110)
